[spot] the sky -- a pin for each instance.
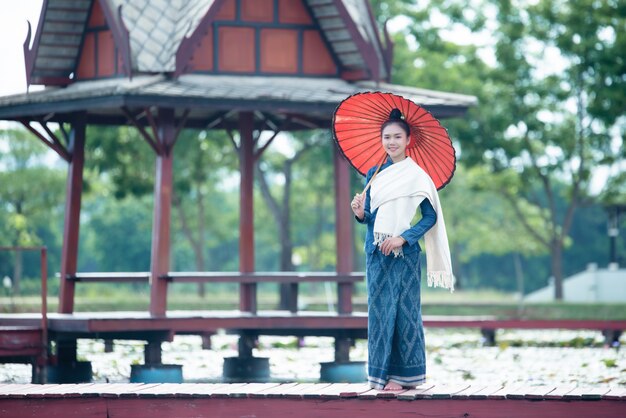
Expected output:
(13, 30)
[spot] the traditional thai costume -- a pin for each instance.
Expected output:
(396, 346)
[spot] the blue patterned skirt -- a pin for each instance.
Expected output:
(396, 347)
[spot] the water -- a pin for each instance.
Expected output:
(452, 355)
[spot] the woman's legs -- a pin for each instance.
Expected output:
(382, 308)
(407, 366)
(396, 349)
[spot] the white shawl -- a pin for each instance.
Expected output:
(396, 192)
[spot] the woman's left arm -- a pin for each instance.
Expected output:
(417, 231)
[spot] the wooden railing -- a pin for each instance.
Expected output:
(293, 278)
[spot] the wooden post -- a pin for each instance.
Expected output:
(343, 228)
(74, 189)
(152, 353)
(160, 253)
(247, 292)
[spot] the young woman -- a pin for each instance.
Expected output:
(396, 346)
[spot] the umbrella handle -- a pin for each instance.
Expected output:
(369, 183)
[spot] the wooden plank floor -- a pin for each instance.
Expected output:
(136, 400)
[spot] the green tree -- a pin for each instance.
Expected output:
(30, 191)
(535, 127)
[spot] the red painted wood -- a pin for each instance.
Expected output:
(293, 11)
(305, 408)
(61, 408)
(202, 58)
(160, 252)
(73, 194)
(97, 16)
(279, 51)
(247, 293)
(319, 400)
(257, 10)
(316, 59)
(343, 228)
(227, 11)
(106, 54)
(20, 341)
(236, 49)
(87, 63)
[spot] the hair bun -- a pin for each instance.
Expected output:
(395, 114)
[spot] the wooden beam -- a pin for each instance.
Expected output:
(60, 150)
(179, 128)
(51, 134)
(155, 131)
(232, 139)
(260, 151)
(153, 142)
(74, 189)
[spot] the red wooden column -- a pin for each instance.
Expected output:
(343, 227)
(247, 292)
(160, 254)
(74, 189)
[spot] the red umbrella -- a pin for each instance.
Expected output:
(356, 128)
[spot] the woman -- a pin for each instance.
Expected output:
(396, 346)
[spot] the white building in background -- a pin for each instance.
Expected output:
(592, 285)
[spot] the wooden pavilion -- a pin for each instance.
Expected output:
(240, 65)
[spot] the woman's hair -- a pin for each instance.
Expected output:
(395, 116)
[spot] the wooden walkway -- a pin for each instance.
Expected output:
(319, 400)
(275, 322)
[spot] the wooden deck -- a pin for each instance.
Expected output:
(274, 322)
(304, 400)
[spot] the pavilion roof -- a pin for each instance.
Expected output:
(206, 95)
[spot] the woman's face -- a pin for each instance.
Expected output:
(395, 141)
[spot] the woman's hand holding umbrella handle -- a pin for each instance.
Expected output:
(358, 205)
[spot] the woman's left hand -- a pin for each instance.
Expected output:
(390, 243)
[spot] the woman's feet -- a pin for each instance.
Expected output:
(392, 386)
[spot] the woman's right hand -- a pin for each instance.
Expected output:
(358, 205)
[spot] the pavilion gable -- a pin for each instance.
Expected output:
(262, 37)
(303, 37)
(94, 39)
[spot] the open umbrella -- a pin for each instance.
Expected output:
(356, 128)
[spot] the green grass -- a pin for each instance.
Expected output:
(434, 302)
